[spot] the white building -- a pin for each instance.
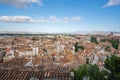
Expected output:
(60, 48)
(29, 63)
(35, 51)
(25, 53)
(96, 58)
(73, 51)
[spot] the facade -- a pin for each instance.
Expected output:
(35, 51)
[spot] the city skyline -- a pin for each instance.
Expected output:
(59, 16)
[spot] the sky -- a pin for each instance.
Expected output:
(57, 16)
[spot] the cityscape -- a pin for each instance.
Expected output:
(59, 40)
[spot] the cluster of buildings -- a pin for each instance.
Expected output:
(52, 52)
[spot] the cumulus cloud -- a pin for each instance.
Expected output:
(112, 3)
(20, 19)
(72, 19)
(77, 18)
(53, 19)
(21, 3)
(28, 19)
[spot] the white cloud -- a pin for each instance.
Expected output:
(72, 19)
(53, 19)
(15, 19)
(66, 20)
(19, 19)
(21, 3)
(28, 19)
(77, 18)
(112, 3)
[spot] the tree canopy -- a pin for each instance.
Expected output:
(114, 42)
(112, 63)
(89, 71)
(107, 48)
(77, 47)
(94, 40)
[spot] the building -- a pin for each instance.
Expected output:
(1, 56)
(35, 51)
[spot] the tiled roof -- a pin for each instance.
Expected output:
(27, 75)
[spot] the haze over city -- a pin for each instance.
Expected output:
(57, 16)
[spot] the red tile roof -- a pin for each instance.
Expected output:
(26, 75)
(8, 50)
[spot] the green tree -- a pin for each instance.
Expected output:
(77, 47)
(107, 48)
(93, 39)
(81, 47)
(113, 65)
(103, 40)
(89, 71)
(115, 44)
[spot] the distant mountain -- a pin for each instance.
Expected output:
(96, 32)
(22, 32)
(76, 32)
(18, 32)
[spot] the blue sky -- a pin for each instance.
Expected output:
(54, 16)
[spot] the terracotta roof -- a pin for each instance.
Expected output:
(8, 50)
(26, 75)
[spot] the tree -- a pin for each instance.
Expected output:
(96, 73)
(115, 44)
(94, 40)
(107, 48)
(45, 50)
(103, 40)
(89, 71)
(112, 63)
(77, 47)
(81, 47)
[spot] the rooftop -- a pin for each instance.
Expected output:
(27, 75)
